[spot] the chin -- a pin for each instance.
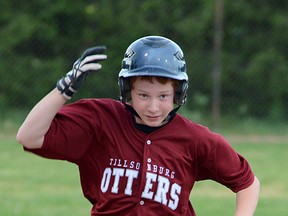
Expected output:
(154, 124)
(150, 123)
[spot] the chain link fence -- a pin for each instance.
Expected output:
(40, 40)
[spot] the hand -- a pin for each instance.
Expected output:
(88, 62)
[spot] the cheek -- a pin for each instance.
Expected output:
(136, 103)
(168, 106)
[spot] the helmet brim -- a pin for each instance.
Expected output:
(152, 71)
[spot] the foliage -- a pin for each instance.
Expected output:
(41, 40)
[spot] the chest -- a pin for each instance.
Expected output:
(145, 167)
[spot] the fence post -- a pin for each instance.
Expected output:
(217, 66)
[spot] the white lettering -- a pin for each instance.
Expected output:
(138, 165)
(162, 190)
(158, 185)
(155, 168)
(161, 170)
(132, 164)
(175, 191)
(117, 172)
(167, 172)
(106, 179)
(119, 163)
(150, 177)
(172, 175)
(131, 174)
(125, 164)
(116, 162)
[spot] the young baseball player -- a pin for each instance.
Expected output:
(136, 156)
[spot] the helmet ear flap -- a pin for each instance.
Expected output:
(124, 89)
(181, 93)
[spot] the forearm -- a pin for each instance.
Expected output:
(247, 199)
(31, 133)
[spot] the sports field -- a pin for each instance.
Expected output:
(30, 185)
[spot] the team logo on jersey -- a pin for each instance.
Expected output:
(120, 177)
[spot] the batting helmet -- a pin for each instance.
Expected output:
(154, 56)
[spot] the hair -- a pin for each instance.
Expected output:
(162, 80)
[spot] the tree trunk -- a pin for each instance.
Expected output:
(217, 67)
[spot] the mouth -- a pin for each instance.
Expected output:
(153, 118)
(153, 121)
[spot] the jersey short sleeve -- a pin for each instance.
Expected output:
(71, 132)
(224, 165)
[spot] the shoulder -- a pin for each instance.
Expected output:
(94, 109)
(198, 131)
(196, 135)
(90, 104)
(106, 109)
(104, 102)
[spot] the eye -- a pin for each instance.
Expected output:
(164, 96)
(143, 95)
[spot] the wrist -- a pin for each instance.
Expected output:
(63, 85)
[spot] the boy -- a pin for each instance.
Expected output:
(137, 156)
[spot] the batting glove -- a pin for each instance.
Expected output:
(88, 62)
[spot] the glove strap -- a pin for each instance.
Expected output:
(65, 87)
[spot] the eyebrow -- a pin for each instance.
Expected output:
(161, 92)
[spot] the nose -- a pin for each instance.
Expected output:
(153, 105)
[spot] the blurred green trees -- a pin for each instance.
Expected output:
(40, 40)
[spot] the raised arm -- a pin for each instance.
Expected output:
(247, 199)
(32, 131)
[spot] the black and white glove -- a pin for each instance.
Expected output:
(89, 61)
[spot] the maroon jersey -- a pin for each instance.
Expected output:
(124, 171)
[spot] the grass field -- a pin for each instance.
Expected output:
(30, 185)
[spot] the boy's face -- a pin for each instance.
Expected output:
(152, 101)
